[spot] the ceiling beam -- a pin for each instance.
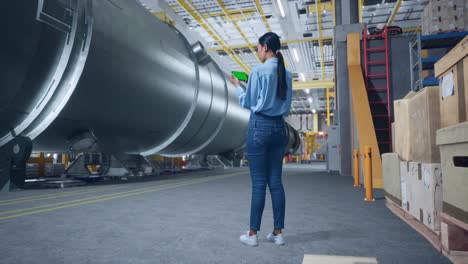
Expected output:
(199, 18)
(232, 12)
(317, 84)
(394, 12)
(262, 14)
(282, 42)
(228, 16)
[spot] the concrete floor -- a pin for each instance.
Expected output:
(198, 218)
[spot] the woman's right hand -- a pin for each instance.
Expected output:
(234, 81)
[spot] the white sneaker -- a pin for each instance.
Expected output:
(249, 240)
(278, 239)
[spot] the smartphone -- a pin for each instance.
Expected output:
(241, 76)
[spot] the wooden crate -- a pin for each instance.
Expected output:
(453, 142)
(453, 94)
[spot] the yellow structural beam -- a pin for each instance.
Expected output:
(232, 12)
(228, 16)
(324, 6)
(65, 160)
(199, 18)
(394, 12)
(315, 118)
(262, 14)
(162, 16)
(361, 108)
(360, 5)
(329, 95)
(283, 42)
(42, 160)
(319, 84)
(413, 29)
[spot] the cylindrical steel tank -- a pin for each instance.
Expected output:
(107, 76)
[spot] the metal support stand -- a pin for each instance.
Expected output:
(114, 165)
(13, 157)
(416, 64)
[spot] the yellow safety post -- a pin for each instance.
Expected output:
(356, 169)
(65, 160)
(368, 174)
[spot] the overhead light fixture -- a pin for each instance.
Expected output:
(307, 91)
(302, 77)
(314, 111)
(310, 99)
(296, 56)
(280, 5)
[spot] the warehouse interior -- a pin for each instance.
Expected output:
(122, 139)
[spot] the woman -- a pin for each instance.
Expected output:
(268, 96)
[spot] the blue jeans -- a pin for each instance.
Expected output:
(266, 143)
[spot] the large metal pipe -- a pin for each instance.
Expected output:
(106, 76)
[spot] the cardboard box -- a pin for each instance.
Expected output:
(404, 171)
(402, 123)
(417, 119)
(452, 97)
(465, 84)
(452, 70)
(424, 123)
(391, 177)
(453, 142)
(414, 190)
(432, 195)
(443, 16)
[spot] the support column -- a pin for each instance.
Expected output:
(347, 18)
(13, 163)
(315, 123)
(347, 11)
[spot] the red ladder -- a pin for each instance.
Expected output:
(377, 78)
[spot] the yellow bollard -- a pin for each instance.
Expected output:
(65, 159)
(368, 174)
(356, 169)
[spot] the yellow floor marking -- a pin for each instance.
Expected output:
(77, 200)
(122, 194)
(58, 195)
(49, 196)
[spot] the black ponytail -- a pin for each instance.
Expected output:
(281, 70)
(273, 43)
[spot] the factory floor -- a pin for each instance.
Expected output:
(198, 217)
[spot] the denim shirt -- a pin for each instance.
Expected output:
(260, 96)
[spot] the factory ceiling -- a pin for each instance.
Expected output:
(230, 30)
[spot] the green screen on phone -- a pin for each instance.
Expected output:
(241, 76)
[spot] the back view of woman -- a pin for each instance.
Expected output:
(268, 96)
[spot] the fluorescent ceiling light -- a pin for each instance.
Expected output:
(302, 77)
(280, 5)
(296, 56)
